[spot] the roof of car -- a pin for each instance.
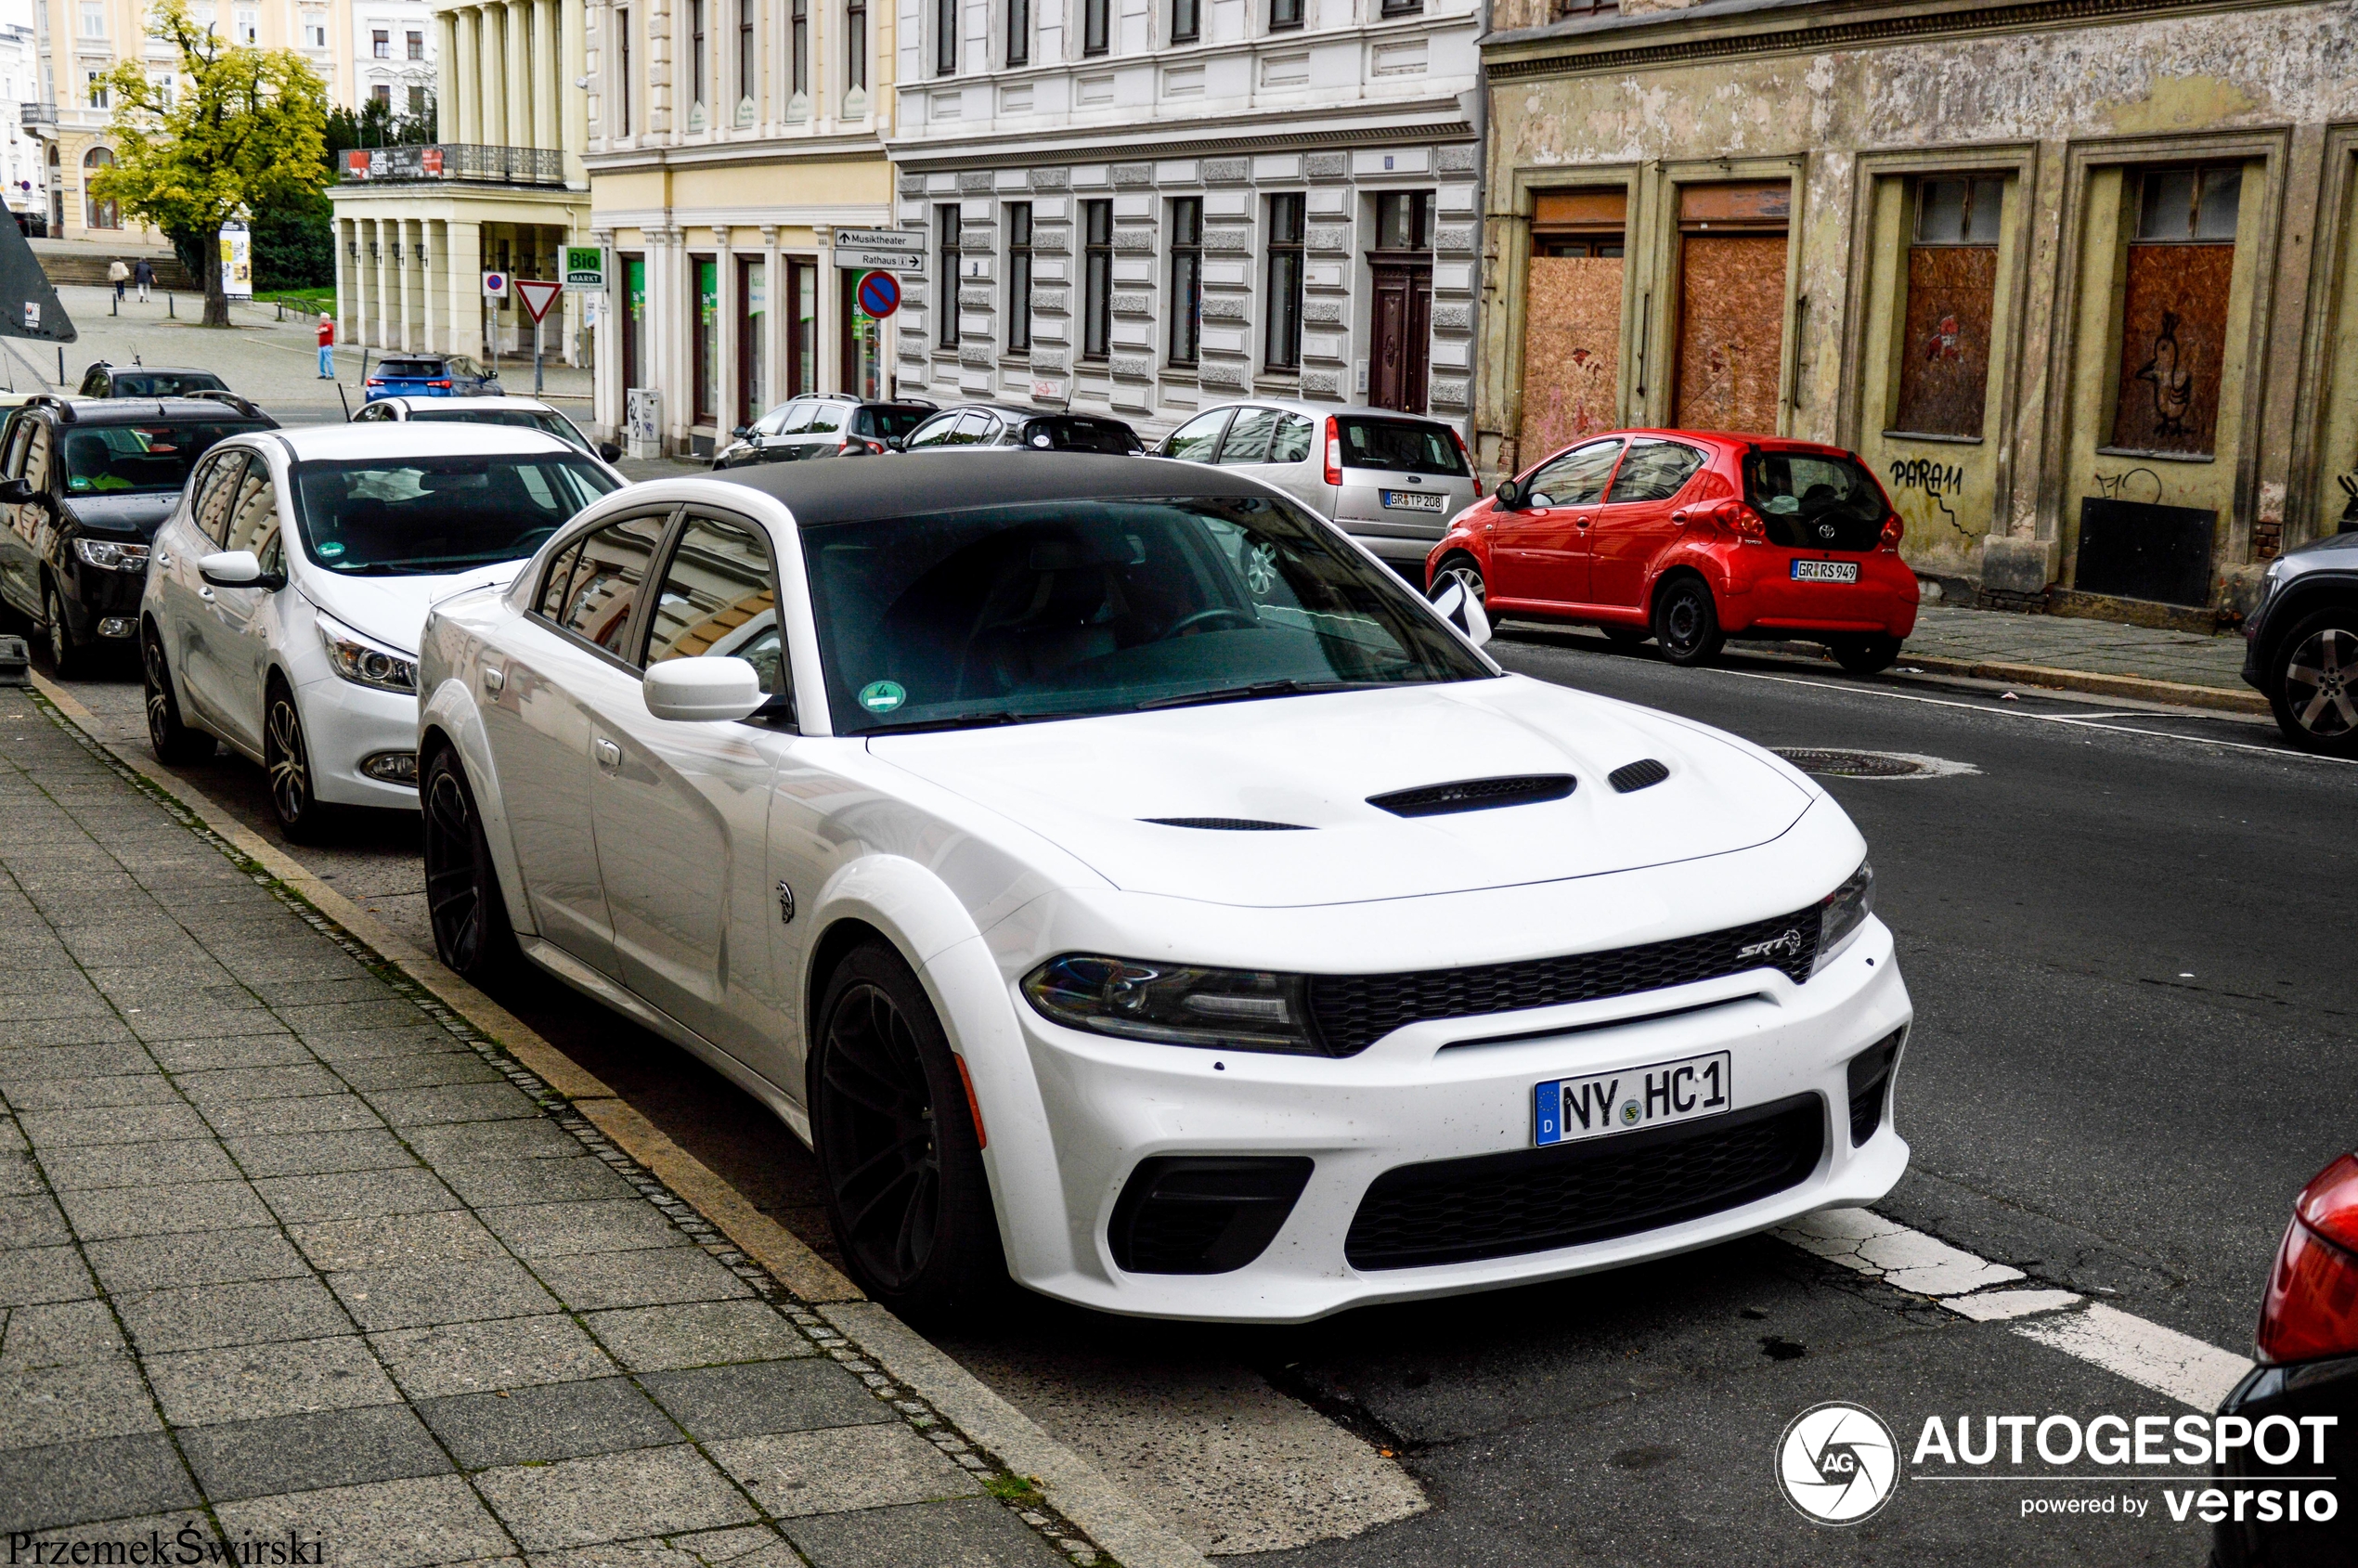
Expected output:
(850, 492)
(142, 410)
(156, 369)
(863, 402)
(1321, 411)
(408, 402)
(338, 442)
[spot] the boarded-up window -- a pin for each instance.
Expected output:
(1952, 282)
(2174, 334)
(1572, 318)
(1731, 305)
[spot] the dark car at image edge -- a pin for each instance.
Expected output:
(2303, 644)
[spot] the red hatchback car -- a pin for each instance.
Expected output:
(1691, 536)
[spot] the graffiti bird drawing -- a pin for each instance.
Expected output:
(2171, 372)
(1944, 341)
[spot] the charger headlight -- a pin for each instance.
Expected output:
(365, 663)
(1843, 912)
(1175, 1004)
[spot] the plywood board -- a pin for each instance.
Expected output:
(1571, 351)
(1732, 309)
(1944, 359)
(2174, 343)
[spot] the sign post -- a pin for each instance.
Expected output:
(495, 289)
(537, 297)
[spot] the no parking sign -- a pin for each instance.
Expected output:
(879, 294)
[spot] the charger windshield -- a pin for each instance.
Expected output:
(1055, 610)
(397, 517)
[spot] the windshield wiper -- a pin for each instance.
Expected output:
(1288, 687)
(960, 721)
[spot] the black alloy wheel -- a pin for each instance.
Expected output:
(1869, 654)
(286, 759)
(66, 655)
(906, 1191)
(169, 737)
(1687, 623)
(472, 933)
(2314, 684)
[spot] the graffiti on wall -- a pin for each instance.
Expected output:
(2172, 344)
(1936, 481)
(2141, 484)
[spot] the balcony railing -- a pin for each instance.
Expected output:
(455, 160)
(38, 113)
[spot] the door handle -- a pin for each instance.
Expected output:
(495, 680)
(609, 753)
(1585, 519)
(164, 561)
(206, 595)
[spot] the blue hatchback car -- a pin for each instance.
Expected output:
(430, 375)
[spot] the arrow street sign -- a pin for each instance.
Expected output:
(880, 295)
(888, 250)
(536, 296)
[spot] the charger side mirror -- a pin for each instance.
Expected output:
(702, 689)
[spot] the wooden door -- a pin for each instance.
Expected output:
(1400, 356)
(1731, 317)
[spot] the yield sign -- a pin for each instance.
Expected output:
(536, 296)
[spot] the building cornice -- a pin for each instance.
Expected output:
(1444, 120)
(1748, 28)
(831, 149)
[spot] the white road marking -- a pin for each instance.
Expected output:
(2185, 1368)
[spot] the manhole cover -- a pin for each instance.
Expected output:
(1870, 764)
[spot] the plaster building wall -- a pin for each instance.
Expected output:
(1234, 159)
(726, 146)
(2069, 341)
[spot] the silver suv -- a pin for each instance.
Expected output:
(1390, 480)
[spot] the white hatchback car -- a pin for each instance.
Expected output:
(1128, 887)
(285, 589)
(517, 413)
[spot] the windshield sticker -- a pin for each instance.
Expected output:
(882, 697)
(329, 549)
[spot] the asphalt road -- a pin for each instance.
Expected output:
(2125, 935)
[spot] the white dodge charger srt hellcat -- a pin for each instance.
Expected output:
(1128, 887)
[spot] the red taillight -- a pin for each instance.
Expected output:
(2311, 1307)
(1893, 531)
(1467, 457)
(445, 385)
(1745, 522)
(376, 381)
(1334, 453)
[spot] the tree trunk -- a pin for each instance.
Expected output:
(216, 298)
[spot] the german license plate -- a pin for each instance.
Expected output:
(1412, 501)
(1825, 571)
(1568, 1109)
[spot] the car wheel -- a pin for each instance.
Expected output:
(471, 929)
(1460, 569)
(1866, 655)
(66, 655)
(2314, 683)
(172, 740)
(286, 759)
(898, 1146)
(1687, 622)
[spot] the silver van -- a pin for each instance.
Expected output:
(1390, 480)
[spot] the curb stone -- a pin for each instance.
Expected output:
(1016, 1462)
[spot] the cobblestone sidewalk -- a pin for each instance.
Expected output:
(2090, 647)
(287, 1255)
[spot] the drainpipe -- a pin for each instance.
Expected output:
(1480, 118)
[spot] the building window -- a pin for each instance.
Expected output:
(383, 93)
(99, 97)
(1096, 279)
(93, 19)
(315, 31)
(1403, 7)
(1403, 220)
(2173, 336)
(1282, 348)
(381, 45)
(747, 73)
(1186, 20)
(249, 26)
(1019, 32)
(1097, 26)
(704, 343)
(1563, 8)
(855, 45)
(95, 212)
(696, 52)
(1284, 14)
(1019, 277)
(1952, 283)
(798, 45)
(622, 72)
(945, 37)
(417, 44)
(1187, 280)
(417, 103)
(945, 304)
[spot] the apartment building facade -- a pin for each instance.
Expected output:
(24, 163)
(730, 146)
(2078, 278)
(361, 49)
(1142, 208)
(502, 190)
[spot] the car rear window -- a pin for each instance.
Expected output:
(409, 368)
(167, 384)
(1066, 433)
(1400, 447)
(141, 458)
(890, 422)
(1812, 500)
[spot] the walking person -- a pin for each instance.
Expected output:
(143, 273)
(326, 346)
(118, 274)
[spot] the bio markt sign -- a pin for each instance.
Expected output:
(586, 268)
